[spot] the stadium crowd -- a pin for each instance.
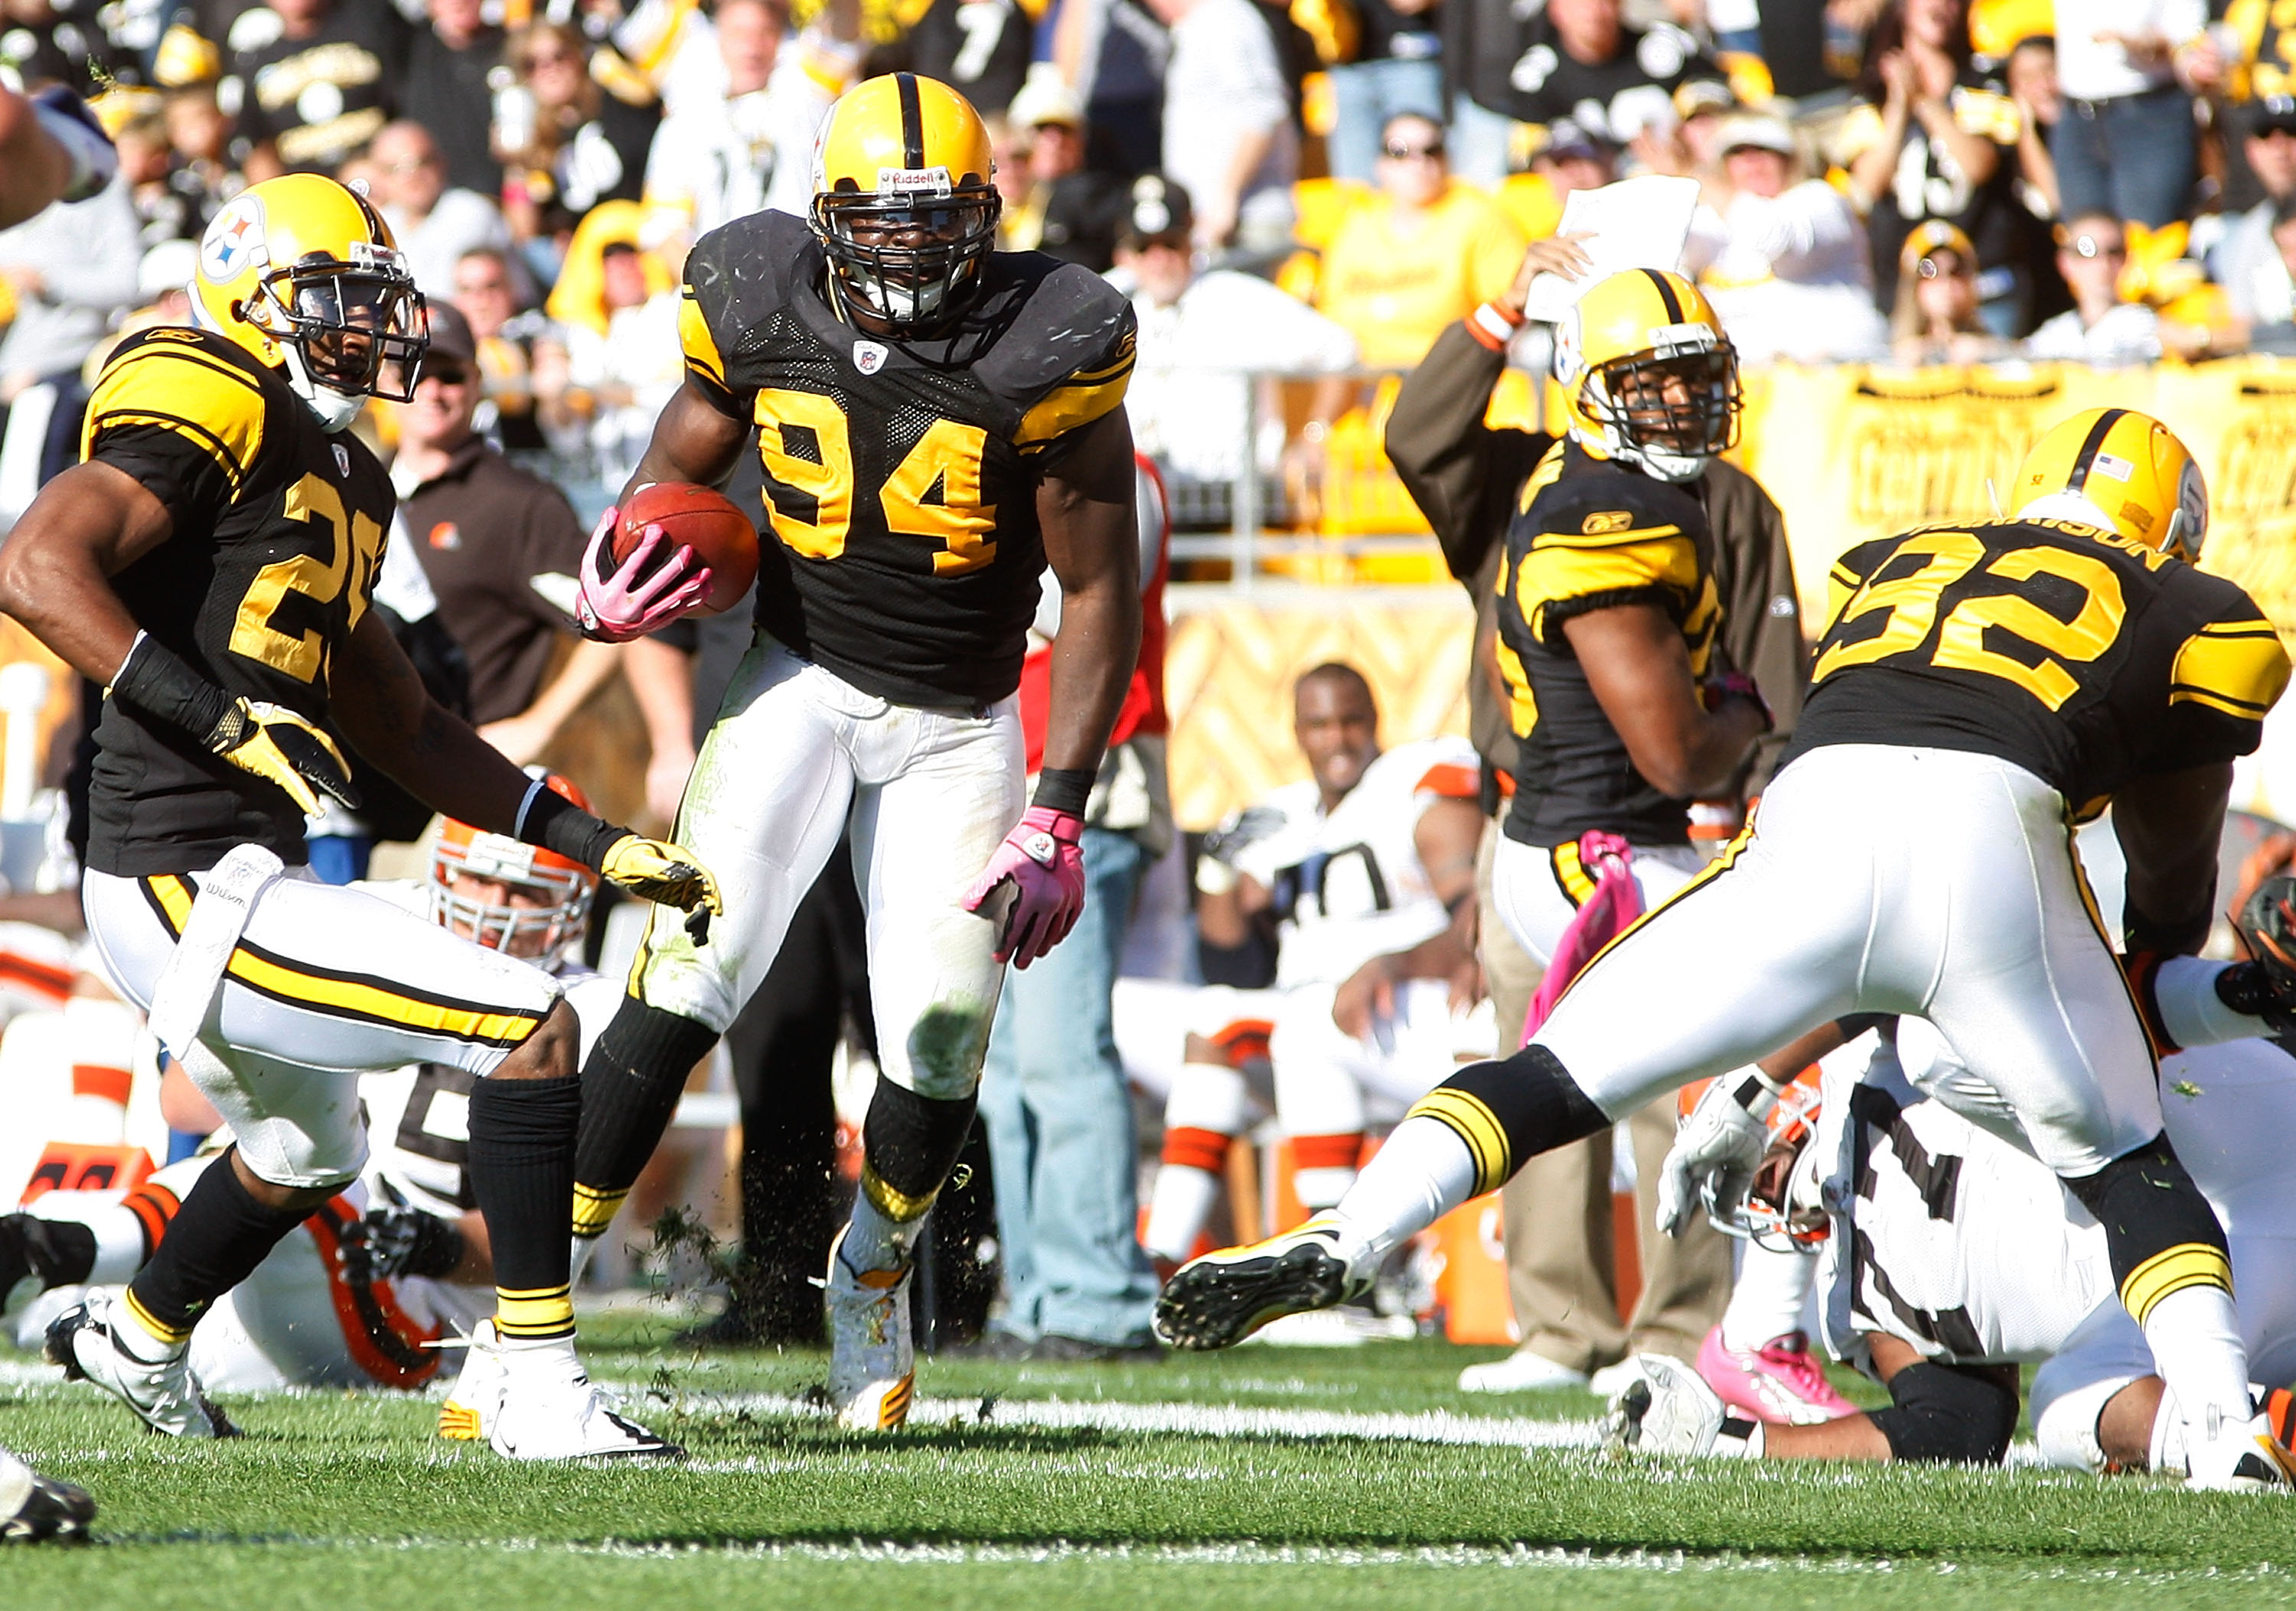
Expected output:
(1352, 196)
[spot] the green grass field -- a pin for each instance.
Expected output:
(1337, 1479)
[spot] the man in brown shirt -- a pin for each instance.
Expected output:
(502, 548)
(1466, 479)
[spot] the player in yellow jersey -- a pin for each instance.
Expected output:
(1978, 690)
(211, 564)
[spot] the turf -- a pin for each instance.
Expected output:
(335, 1501)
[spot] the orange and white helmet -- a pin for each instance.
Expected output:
(1781, 1211)
(552, 917)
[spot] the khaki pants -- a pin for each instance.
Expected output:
(1557, 1212)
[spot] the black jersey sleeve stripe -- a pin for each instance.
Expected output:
(1665, 295)
(2091, 446)
(913, 121)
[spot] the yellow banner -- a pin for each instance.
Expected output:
(1854, 453)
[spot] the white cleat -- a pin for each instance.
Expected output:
(475, 1400)
(164, 1394)
(872, 1367)
(548, 1409)
(1667, 1408)
(1524, 1370)
(2240, 1460)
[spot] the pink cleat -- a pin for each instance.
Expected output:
(1780, 1382)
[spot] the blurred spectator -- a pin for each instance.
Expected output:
(1615, 82)
(2244, 260)
(723, 157)
(444, 89)
(1929, 138)
(1115, 52)
(41, 43)
(1199, 334)
(199, 134)
(567, 140)
(139, 133)
(1229, 136)
(1069, 210)
(1009, 149)
(1398, 68)
(1568, 159)
(2100, 328)
(2126, 144)
(1422, 253)
(435, 224)
(1936, 318)
(981, 47)
(630, 369)
(1786, 39)
(501, 550)
(63, 274)
(521, 360)
(321, 88)
(1783, 256)
(1482, 41)
(2270, 316)
(2029, 75)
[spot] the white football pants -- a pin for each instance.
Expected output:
(324, 983)
(1935, 882)
(796, 750)
(1528, 890)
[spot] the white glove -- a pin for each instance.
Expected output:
(1715, 1154)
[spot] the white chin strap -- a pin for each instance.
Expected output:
(2066, 506)
(1656, 462)
(334, 410)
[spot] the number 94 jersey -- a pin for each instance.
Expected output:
(278, 534)
(900, 478)
(2088, 659)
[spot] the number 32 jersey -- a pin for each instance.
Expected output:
(278, 534)
(900, 478)
(2084, 657)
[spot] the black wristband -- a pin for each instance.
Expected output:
(1065, 788)
(556, 823)
(154, 679)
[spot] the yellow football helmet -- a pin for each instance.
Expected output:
(2121, 470)
(903, 202)
(1648, 377)
(303, 273)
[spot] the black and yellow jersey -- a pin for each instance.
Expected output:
(900, 477)
(278, 533)
(2087, 658)
(1589, 534)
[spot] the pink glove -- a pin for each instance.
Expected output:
(626, 601)
(1042, 858)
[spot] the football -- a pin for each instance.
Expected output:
(705, 520)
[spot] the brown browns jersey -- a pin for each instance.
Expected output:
(1590, 535)
(278, 534)
(900, 477)
(2086, 658)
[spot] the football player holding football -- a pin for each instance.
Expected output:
(210, 564)
(938, 423)
(1978, 690)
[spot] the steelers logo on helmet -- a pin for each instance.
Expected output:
(511, 897)
(903, 202)
(303, 273)
(2122, 472)
(1648, 377)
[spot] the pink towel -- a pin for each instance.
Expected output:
(1615, 903)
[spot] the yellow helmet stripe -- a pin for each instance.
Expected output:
(913, 123)
(1665, 295)
(2091, 446)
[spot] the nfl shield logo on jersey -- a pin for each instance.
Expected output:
(342, 460)
(868, 357)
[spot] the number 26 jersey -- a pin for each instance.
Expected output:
(900, 477)
(2088, 659)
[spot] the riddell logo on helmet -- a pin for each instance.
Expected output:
(928, 181)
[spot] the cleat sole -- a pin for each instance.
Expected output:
(1216, 1302)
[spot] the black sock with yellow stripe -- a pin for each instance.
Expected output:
(630, 1085)
(214, 1242)
(2160, 1232)
(521, 1171)
(1510, 1111)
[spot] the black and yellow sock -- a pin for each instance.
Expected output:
(2160, 1232)
(909, 1145)
(630, 1087)
(215, 1241)
(521, 1171)
(1510, 1111)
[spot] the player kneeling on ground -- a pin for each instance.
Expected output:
(211, 565)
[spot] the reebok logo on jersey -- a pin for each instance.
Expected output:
(1614, 520)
